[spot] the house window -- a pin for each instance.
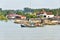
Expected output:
(44, 15)
(48, 16)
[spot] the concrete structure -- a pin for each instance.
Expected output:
(45, 14)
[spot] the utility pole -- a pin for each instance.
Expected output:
(30, 5)
(57, 15)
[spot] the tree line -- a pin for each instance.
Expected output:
(27, 10)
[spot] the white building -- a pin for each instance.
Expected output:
(45, 14)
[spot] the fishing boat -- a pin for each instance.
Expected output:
(32, 25)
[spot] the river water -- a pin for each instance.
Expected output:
(12, 31)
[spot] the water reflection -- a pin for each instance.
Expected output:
(12, 31)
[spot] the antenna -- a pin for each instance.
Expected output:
(30, 3)
(27, 3)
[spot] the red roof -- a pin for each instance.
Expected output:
(49, 13)
(12, 14)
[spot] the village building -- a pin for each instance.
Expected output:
(11, 16)
(57, 17)
(45, 14)
(15, 16)
(22, 17)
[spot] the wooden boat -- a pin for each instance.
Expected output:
(31, 25)
(26, 26)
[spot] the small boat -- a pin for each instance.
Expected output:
(31, 25)
(23, 25)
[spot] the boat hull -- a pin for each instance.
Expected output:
(31, 26)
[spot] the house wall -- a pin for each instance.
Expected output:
(42, 15)
(45, 15)
(49, 16)
(23, 17)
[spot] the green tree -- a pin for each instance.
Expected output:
(30, 16)
(20, 13)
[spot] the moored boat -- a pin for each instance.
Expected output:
(32, 25)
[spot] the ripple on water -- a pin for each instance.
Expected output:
(12, 31)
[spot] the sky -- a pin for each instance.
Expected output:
(20, 4)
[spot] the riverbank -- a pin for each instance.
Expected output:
(37, 22)
(2, 17)
(14, 31)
